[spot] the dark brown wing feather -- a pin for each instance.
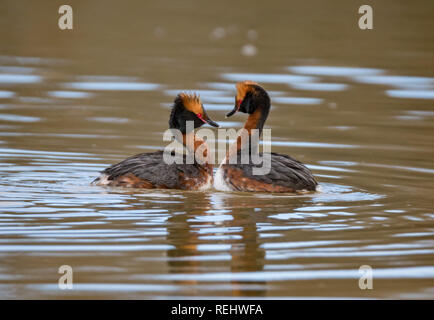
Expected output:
(148, 170)
(286, 175)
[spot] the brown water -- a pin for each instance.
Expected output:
(355, 106)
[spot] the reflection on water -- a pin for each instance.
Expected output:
(69, 94)
(334, 71)
(9, 79)
(75, 103)
(412, 94)
(112, 86)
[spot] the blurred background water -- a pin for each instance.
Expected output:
(355, 105)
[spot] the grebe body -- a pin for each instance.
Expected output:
(285, 175)
(150, 171)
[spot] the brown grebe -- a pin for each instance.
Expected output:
(150, 171)
(286, 174)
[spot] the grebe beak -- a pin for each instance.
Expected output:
(235, 109)
(206, 119)
(212, 123)
(209, 121)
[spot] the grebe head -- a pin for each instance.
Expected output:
(188, 107)
(247, 91)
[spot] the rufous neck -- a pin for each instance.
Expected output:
(256, 120)
(196, 145)
(248, 138)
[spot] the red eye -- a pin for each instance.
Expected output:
(199, 115)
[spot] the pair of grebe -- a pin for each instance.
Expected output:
(149, 171)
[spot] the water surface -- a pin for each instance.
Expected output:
(355, 106)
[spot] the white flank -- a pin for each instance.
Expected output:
(219, 181)
(207, 185)
(102, 180)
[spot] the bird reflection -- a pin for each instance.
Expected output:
(207, 219)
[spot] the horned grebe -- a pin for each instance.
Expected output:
(286, 175)
(149, 170)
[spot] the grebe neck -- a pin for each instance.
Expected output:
(196, 145)
(259, 102)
